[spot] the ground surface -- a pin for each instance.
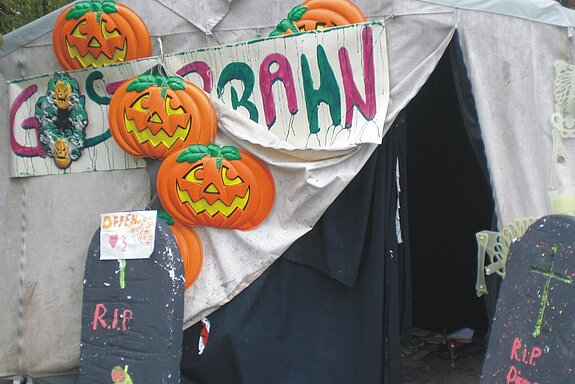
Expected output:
(430, 363)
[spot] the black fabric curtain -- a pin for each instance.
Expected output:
(336, 306)
(450, 199)
(466, 102)
(470, 118)
(330, 309)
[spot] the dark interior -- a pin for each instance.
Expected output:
(450, 199)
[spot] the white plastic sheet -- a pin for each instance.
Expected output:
(46, 220)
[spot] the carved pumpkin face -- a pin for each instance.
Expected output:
(152, 116)
(61, 151)
(216, 186)
(62, 92)
(159, 120)
(95, 44)
(95, 33)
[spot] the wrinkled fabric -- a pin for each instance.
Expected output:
(204, 15)
(46, 222)
(542, 11)
(331, 325)
(52, 290)
(513, 88)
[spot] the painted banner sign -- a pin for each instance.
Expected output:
(532, 339)
(324, 89)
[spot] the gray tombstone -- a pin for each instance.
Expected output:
(533, 332)
(132, 315)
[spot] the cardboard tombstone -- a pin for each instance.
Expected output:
(132, 315)
(533, 332)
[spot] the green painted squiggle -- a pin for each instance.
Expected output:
(122, 271)
(545, 296)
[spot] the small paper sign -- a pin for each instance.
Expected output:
(127, 235)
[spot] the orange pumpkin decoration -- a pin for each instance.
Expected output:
(319, 14)
(216, 186)
(61, 153)
(153, 115)
(189, 245)
(99, 32)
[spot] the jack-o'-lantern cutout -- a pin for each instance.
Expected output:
(189, 245)
(319, 14)
(216, 186)
(99, 32)
(153, 115)
(62, 153)
(62, 93)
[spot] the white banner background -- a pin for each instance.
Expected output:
(218, 70)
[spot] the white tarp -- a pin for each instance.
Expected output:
(513, 86)
(47, 221)
(542, 11)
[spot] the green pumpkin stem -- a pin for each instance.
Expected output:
(82, 7)
(196, 152)
(166, 217)
(294, 15)
(143, 82)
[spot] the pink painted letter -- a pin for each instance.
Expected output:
(29, 123)
(352, 96)
(267, 80)
(202, 69)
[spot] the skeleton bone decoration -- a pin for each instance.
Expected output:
(563, 120)
(496, 246)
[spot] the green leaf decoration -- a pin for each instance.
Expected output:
(296, 13)
(82, 7)
(196, 152)
(145, 81)
(281, 28)
(79, 10)
(109, 6)
(141, 82)
(193, 153)
(283, 25)
(230, 153)
(166, 217)
(176, 83)
(96, 6)
(214, 150)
